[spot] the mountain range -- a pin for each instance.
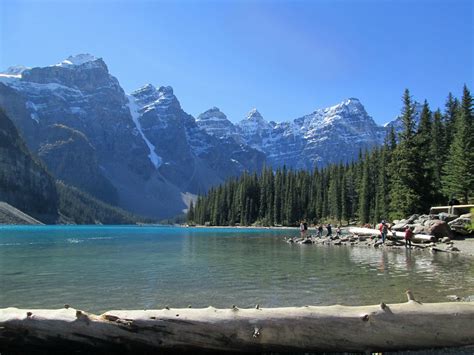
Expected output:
(141, 151)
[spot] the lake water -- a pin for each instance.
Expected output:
(101, 268)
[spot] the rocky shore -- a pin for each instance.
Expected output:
(434, 233)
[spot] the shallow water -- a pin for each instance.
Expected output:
(101, 268)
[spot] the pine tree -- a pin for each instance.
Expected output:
(190, 214)
(423, 140)
(458, 176)
(364, 194)
(451, 109)
(437, 153)
(404, 197)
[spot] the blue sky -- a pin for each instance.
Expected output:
(286, 58)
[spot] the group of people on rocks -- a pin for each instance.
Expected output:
(385, 227)
(319, 230)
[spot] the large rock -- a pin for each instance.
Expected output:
(447, 217)
(438, 228)
(459, 225)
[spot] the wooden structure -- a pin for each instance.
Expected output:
(454, 209)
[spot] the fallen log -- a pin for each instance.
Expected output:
(418, 238)
(383, 327)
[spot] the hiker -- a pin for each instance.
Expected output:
(383, 230)
(408, 237)
(329, 228)
(302, 230)
(305, 227)
(320, 231)
(338, 231)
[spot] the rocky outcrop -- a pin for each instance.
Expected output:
(439, 225)
(24, 181)
(305, 142)
(71, 157)
(460, 224)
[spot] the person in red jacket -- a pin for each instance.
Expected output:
(383, 230)
(408, 237)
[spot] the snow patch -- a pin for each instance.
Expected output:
(32, 107)
(78, 59)
(133, 107)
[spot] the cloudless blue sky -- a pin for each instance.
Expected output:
(286, 58)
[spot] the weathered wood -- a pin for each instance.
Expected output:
(383, 327)
(420, 238)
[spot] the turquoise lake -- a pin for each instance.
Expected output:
(119, 267)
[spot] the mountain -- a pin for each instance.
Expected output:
(305, 142)
(140, 151)
(24, 181)
(28, 190)
(397, 122)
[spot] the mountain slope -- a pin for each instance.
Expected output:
(305, 142)
(24, 181)
(139, 151)
(27, 187)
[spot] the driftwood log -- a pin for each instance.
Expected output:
(383, 327)
(417, 238)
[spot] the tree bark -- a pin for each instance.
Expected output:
(410, 325)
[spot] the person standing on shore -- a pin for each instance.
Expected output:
(302, 230)
(383, 230)
(408, 237)
(320, 231)
(329, 228)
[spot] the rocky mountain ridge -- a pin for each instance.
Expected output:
(143, 152)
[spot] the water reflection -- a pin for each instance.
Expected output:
(153, 267)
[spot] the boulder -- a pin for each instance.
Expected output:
(438, 228)
(459, 225)
(419, 229)
(447, 217)
(445, 240)
(400, 226)
(412, 218)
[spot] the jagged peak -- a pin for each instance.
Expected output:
(253, 114)
(166, 90)
(145, 89)
(213, 113)
(78, 59)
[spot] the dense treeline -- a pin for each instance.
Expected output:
(425, 164)
(78, 207)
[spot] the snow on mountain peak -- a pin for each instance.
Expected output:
(166, 90)
(147, 89)
(254, 115)
(150, 98)
(15, 70)
(213, 114)
(77, 59)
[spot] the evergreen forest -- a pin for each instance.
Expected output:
(425, 164)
